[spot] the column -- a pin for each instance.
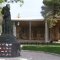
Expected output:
(29, 30)
(14, 29)
(46, 31)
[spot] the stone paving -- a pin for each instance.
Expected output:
(39, 55)
(16, 58)
(32, 55)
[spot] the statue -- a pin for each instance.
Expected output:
(6, 24)
(7, 36)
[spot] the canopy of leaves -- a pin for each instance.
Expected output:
(1, 1)
(50, 9)
(12, 0)
(51, 2)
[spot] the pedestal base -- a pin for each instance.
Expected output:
(9, 47)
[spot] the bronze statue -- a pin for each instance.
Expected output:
(7, 36)
(6, 24)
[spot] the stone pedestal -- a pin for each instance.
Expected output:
(9, 47)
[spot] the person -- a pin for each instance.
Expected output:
(6, 24)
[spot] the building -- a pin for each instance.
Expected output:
(35, 31)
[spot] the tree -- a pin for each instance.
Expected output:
(50, 11)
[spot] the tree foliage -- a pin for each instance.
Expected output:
(1, 1)
(21, 1)
(50, 11)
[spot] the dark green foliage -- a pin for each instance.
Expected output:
(51, 5)
(51, 2)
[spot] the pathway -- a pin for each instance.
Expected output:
(39, 55)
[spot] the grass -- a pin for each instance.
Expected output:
(45, 48)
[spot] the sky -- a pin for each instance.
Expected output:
(30, 10)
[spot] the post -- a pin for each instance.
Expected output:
(14, 29)
(46, 31)
(29, 30)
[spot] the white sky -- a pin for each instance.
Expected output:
(30, 10)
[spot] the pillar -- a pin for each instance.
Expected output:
(29, 30)
(14, 29)
(46, 31)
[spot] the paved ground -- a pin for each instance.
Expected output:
(30, 55)
(39, 55)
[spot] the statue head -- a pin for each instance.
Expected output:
(8, 7)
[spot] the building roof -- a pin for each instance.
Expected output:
(26, 19)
